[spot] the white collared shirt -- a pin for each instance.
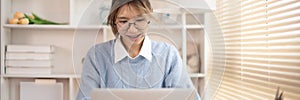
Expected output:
(120, 51)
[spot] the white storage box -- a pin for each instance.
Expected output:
(41, 91)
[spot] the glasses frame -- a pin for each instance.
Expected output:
(133, 21)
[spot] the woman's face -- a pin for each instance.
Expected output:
(132, 25)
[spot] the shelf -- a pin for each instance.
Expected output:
(61, 27)
(177, 27)
(194, 26)
(197, 75)
(41, 76)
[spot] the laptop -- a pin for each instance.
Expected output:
(144, 94)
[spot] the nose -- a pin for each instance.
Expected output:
(132, 28)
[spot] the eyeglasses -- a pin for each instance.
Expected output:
(139, 23)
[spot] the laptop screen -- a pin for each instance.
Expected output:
(144, 94)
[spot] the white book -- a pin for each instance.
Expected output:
(28, 70)
(30, 48)
(28, 56)
(28, 63)
(34, 91)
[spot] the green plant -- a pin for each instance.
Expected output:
(34, 19)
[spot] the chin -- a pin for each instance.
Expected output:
(137, 41)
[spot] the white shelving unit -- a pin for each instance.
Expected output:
(191, 15)
(72, 41)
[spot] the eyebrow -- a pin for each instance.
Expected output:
(122, 18)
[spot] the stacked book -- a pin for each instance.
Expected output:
(28, 59)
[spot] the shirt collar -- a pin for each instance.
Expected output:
(120, 52)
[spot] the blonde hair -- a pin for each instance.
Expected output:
(143, 6)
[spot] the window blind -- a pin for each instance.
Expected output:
(261, 49)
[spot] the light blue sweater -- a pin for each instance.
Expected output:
(163, 69)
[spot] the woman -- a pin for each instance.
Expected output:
(132, 60)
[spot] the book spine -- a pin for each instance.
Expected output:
(28, 63)
(28, 56)
(31, 71)
(30, 48)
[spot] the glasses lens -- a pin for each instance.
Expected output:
(139, 23)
